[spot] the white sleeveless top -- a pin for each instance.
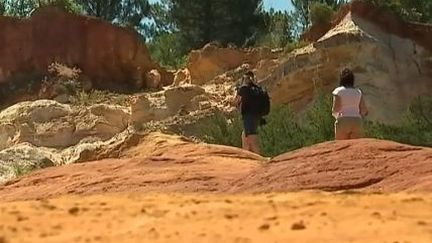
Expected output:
(350, 101)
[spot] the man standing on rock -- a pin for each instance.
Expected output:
(254, 103)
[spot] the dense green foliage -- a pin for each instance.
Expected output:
(321, 13)
(302, 10)
(415, 128)
(412, 10)
(22, 8)
(225, 21)
(166, 48)
(286, 131)
(277, 29)
(126, 12)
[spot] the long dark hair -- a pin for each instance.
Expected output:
(347, 78)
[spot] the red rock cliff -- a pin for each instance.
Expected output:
(112, 57)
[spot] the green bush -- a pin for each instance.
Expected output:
(321, 13)
(410, 10)
(318, 122)
(281, 133)
(414, 129)
(165, 48)
(221, 130)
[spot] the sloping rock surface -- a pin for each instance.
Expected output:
(163, 163)
(367, 164)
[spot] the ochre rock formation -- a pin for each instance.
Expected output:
(392, 24)
(211, 60)
(111, 57)
(46, 123)
(389, 57)
(366, 164)
(164, 163)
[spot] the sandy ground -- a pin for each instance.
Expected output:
(298, 217)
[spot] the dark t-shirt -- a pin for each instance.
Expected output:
(247, 106)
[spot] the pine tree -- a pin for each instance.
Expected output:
(302, 10)
(225, 21)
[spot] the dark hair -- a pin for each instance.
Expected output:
(248, 77)
(347, 78)
(249, 74)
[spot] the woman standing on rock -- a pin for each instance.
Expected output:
(349, 108)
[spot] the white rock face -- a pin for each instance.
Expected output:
(390, 70)
(46, 123)
(25, 157)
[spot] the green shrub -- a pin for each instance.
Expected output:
(295, 45)
(410, 10)
(321, 13)
(277, 29)
(414, 129)
(281, 133)
(318, 122)
(222, 130)
(165, 48)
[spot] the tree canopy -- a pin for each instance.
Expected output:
(201, 21)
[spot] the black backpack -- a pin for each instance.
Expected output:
(262, 100)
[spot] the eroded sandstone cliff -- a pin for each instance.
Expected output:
(111, 57)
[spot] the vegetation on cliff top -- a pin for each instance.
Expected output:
(172, 28)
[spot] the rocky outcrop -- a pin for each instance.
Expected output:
(390, 58)
(164, 163)
(387, 62)
(111, 57)
(388, 22)
(367, 165)
(183, 98)
(172, 161)
(23, 158)
(44, 133)
(210, 61)
(46, 123)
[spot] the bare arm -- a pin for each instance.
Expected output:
(236, 101)
(336, 106)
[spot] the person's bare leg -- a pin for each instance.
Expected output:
(357, 130)
(253, 144)
(341, 135)
(341, 130)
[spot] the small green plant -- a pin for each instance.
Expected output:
(20, 170)
(90, 98)
(295, 45)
